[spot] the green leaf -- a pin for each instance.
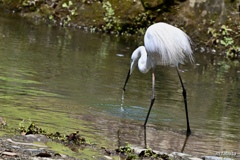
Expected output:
(64, 5)
(72, 12)
(223, 42)
(50, 17)
(68, 18)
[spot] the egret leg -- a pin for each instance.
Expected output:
(152, 99)
(184, 93)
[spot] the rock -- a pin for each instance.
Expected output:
(182, 156)
(27, 144)
(9, 153)
(107, 157)
(215, 158)
(194, 158)
(37, 138)
(21, 147)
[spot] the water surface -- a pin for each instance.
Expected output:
(68, 80)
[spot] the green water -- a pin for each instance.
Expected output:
(66, 80)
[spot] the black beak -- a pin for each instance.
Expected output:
(126, 80)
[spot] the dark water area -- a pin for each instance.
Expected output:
(67, 80)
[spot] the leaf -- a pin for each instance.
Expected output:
(50, 17)
(70, 3)
(68, 18)
(223, 42)
(72, 12)
(64, 5)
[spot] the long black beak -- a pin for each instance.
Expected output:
(126, 80)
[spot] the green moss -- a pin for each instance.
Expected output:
(60, 148)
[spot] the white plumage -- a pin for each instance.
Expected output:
(165, 45)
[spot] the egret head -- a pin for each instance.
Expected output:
(141, 58)
(134, 58)
(134, 61)
(136, 55)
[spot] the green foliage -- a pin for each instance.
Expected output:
(70, 9)
(137, 24)
(224, 37)
(30, 129)
(26, 3)
(71, 139)
(140, 22)
(150, 153)
(233, 51)
(227, 41)
(128, 151)
(109, 18)
(64, 15)
(31, 5)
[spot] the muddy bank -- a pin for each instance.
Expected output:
(32, 142)
(33, 147)
(22, 147)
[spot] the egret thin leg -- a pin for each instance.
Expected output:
(185, 102)
(152, 99)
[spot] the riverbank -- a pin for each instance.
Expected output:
(209, 24)
(22, 147)
(219, 36)
(33, 147)
(35, 143)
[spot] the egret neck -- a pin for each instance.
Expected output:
(141, 58)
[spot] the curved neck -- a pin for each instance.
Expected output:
(144, 62)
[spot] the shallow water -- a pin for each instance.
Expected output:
(68, 80)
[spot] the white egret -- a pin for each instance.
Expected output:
(165, 45)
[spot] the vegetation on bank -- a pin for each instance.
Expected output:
(75, 140)
(227, 38)
(132, 17)
(91, 14)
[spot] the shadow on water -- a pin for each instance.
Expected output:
(68, 80)
(146, 144)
